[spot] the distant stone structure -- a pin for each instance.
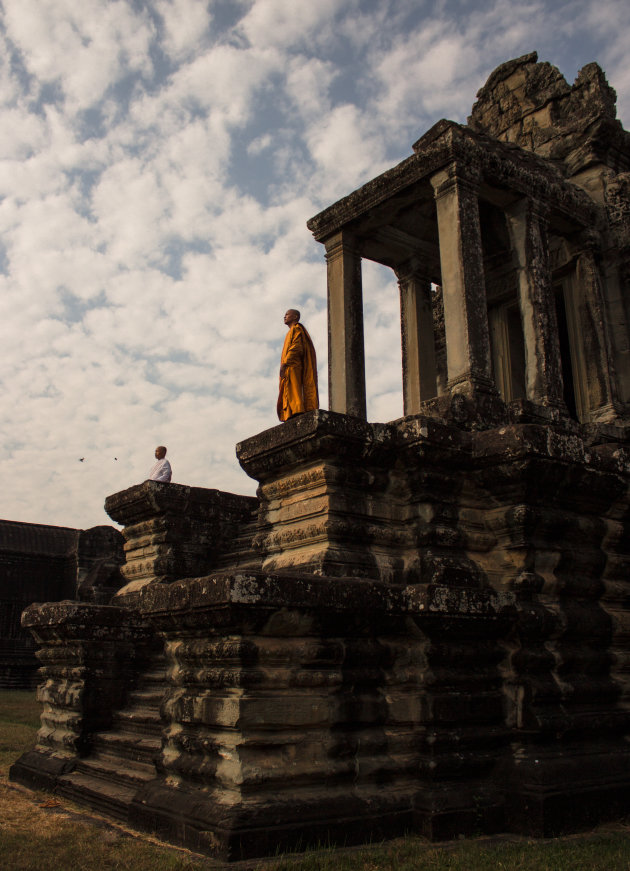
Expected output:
(41, 563)
(420, 625)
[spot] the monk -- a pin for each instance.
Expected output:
(298, 370)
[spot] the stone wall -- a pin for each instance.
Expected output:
(41, 563)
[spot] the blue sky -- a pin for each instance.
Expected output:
(158, 163)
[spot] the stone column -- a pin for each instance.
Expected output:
(595, 346)
(346, 354)
(418, 343)
(527, 226)
(461, 258)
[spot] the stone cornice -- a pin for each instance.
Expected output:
(164, 603)
(312, 434)
(499, 163)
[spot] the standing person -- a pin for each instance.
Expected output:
(161, 470)
(298, 370)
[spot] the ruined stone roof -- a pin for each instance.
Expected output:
(36, 538)
(531, 104)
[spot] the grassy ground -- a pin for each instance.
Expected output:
(40, 833)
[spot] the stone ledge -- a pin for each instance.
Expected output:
(258, 590)
(316, 434)
(154, 499)
(81, 620)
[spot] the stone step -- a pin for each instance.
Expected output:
(241, 554)
(110, 798)
(128, 745)
(154, 675)
(107, 767)
(148, 697)
(139, 720)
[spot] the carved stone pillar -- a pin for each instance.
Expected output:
(595, 346)
(418, 344)
(346, 354)
(526, 223)
(461, 258)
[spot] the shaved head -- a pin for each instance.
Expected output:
(291, 317)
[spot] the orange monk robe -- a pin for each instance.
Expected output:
(298, 387)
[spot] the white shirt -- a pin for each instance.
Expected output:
(161, 471)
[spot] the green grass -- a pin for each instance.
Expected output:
(599, 852)
(36, 837)
(19, 722)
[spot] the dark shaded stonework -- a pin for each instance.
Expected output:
(420, 625)
(41, 563)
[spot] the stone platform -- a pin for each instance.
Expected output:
(293, 711)
(474, 682)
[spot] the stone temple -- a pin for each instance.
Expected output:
(420, 625)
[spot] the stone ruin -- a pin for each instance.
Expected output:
(421, 625)
(49, 563)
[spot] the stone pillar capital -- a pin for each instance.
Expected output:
(455, 175)
(339, 244)
(412, 270)
(529, 208)
(527, 204)
(589, 241)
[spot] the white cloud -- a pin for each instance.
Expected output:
(292, 23)
(346, 149)
(84, 48)
(184, 24)
(308, 84)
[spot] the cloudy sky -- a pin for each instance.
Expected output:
(158, 162)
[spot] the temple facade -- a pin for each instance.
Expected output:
(419, 625)
(518, 217)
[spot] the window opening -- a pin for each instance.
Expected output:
(508, 350)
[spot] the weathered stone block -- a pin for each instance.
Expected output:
(174, 531)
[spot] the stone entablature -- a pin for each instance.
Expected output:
(496, 165)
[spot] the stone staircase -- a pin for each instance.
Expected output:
(241, 554)
(123, 758)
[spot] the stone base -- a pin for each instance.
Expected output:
(297, 712)
(41, 769)
(201, 820)
(567, 787)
